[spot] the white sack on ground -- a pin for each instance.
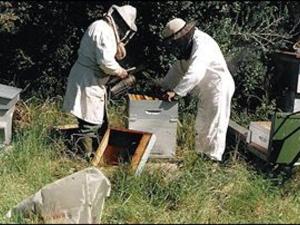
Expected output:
(77, 198)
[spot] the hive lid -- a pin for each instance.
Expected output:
(9, 92)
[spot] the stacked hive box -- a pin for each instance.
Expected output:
(260, 133)
(8, 98)
(152, 115)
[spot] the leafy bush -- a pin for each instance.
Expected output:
(40, 39)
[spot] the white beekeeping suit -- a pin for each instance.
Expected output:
(85, 95)
(205, 75)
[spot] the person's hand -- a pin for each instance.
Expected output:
(122, 73)
(169, 96)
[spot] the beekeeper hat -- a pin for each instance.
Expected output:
(128, 14)
(177, 28)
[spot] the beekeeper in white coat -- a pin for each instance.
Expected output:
(101, 47)
(200, 70)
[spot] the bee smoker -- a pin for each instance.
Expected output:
(118, 87)
(122, 86)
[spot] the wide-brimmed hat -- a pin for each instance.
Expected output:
(128, 14)
(177, 28)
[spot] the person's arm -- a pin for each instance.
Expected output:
(193, 75)
(172, 77)
(105, 54)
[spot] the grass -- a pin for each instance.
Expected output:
(198, 192)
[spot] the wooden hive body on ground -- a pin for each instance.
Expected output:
(121, 146)
(117, 147)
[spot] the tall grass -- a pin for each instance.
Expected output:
(202, 193)
(35, 160)
(199, 191)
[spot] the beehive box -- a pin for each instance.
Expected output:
(120, 146)
(260, 134)
(8, 98)
(117, 147)
(158, 117)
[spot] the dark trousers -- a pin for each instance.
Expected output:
(90, 136)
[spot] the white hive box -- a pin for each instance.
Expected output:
(158, 117)
(259, 133)
(8, 98)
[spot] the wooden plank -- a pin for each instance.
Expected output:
(101, 148)
(286, 52)
(148, 97)
(140, 151)
(238, 129)
(67, 126)
(242, 132)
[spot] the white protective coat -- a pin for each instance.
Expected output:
(206, 76)
(85, 96)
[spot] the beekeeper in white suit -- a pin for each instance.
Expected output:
(200, 70)
(101, 47)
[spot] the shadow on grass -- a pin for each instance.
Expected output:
(278, 174)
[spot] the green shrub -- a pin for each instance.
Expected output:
(40, 41)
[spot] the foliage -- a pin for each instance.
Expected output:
(39, 46)
(39, 42)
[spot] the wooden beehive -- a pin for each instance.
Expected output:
(121, 146)
(260, 134)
